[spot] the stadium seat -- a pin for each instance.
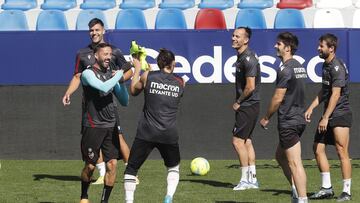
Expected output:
(333, 4)
(296, 4)
(357, 4)
(179, 4)
(98, 4)
(210, 18)
(130, 19)
(218, 4)
(86, 15)
(170, 18)
(23, 5)
(63, 5)
(137, 4)
(289, 18)
(51, 20)
(356, 19)
(252, 18)
(258, 4)
(328, 18)
(13, 20)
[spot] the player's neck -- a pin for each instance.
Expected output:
(286, 58)
(330, 57)
(242, 49)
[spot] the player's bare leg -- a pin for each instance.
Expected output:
(100, 165)
(86, 175)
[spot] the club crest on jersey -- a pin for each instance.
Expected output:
(248, 58)
(89, 56)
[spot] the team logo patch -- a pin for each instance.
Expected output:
(90, 153)
(248, 58)
(89, 56)
(336, 68)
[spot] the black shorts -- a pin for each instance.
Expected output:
(245, 121)
(141, 149)
(327, 137)
(120, 130)
(289, 136)
(94, 139)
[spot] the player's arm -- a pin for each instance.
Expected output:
(121, 94)
(138, 83)
(248, 90)
(88, 78)
(318, 99)
(73, 85)
(276, 100)
(120, 62)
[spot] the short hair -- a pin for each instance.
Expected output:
(165, 58)
(290, 40)
(247, 31)
(100, 46)
(95, 21)
(330, 39)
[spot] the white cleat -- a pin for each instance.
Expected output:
(99, 181)
(253, 185)
(243, 185)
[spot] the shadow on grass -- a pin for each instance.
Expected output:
(210, 182)
(277, 192)
(38, 177)
(231, 202)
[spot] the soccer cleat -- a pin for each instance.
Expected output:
(323, 193)
(253, 185)
(343, 197)
(99, 181)
(243, 185)
(168, 199)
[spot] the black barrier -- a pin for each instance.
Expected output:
(35, 125)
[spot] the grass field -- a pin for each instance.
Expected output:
(58, 181)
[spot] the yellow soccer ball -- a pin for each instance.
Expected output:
(199, 166)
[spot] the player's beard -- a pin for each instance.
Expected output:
(324, 55)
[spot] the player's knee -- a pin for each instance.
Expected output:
(174, 168)
(111, 165)
(341, 151)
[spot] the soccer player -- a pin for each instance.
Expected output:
(84, 59)
(157, 125)
(246, 106)
(99, 119)
(334, 125)
(289, 101)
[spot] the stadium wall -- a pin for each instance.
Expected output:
(35, 125)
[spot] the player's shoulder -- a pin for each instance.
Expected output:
(179, 79)
(85, 51)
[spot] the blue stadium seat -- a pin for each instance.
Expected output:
(23, 5)
(58, 5)
(130, 19)
(98, 4)
(180, 4)
(13, 20)
(85, 16)
(51, 20)
(252, 18)
(170, 18)
(289, 18)
(259, 4)
(137, 4)
(218, 4)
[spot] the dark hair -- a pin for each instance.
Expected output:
(330, 39)
(100, 46)
(95, 21)
(290, 40)
(247, 30)
(165, 58)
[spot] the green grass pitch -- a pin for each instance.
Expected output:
(59, 181)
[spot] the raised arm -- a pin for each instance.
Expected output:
(121, 94)
(138, 82)
(88, 77)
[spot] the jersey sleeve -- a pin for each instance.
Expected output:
(338, 73)
(119, 58)
(283, 77)
(79, 67)
(88, 78)
(251, 67)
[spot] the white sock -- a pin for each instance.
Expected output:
(294, 191)
(252, 174)
(302, 200)
(347, 185)
(244, 173)
(172, 180)
(130, 187)
(102, 168)
(325, 179)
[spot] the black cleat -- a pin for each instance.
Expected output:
(343, 197)
(323, 193)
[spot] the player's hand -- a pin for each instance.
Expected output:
(323, 125)
(66, 100)
(264, 122)
(236, 106)
(136, 63)
(308, 114)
